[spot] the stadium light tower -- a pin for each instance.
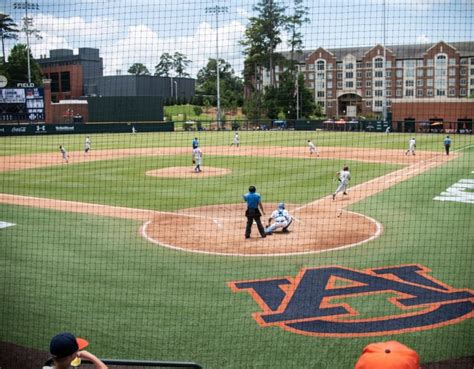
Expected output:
(217, 10)
(384, 83)
(27, 23)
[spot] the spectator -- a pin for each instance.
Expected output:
(67, 350)
(388, 355)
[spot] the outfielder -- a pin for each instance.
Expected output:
(411, 146)
(343, 176)
(312, 148)
(281, 219)
(197, 159)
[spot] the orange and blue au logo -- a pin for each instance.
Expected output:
(317, 301)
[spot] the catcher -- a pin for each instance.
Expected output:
(281, 219)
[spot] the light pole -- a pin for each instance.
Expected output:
(217, 10)
(27, 22)
(176, 91)
(384, 83)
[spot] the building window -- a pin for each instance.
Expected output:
(321, 103)
(419, 63)
(388, 83)
(409, 83)
(399, 73)
(359, 65)
(339, 85)
(311, 66)
(349, 74)
(378, 63)
(463, 82)
(311, 84)
(320, 75)
(452, 61)
(330, 66)
(389, 93)
(378, 83)
(389, 102)
(388, 73)
(399, 83)
(368, 104)
(349, 84)
(54, 82)
(420, 72)
(368, 74)
(440, 92)
(463, 72)
(399, 63)
(419, 83)
(349, 66)
(368, 64)
(429, 82)
(378, 103)
(339, 75)
(472, 61)
(463, 61)
(378, 93)
(398, 93)
(419, 93)
(320, 65)
(329, 84)
(339, 65)
(463, 92)
(388, 64)
(452, 71)
(358, 84)
(311, 76)
(451, 92)
(359, 74)
(329, 93)
(320, 93)
(378, 73)
(368, 84)
(429, 73)
(65, 82)
(472, 81)
(329, 76)
(368, 93)
(472, 72)
(452, 81)
(429, 62)
(409, 93)
(429, 92)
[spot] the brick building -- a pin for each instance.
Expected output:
(352, 81)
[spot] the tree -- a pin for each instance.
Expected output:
(163, 68)
(8, 31)
(262, 36)
(231, 86)
(17, 66)
(180, 62)
(293, 26)
(138, 69)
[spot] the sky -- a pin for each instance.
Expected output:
(140, 31)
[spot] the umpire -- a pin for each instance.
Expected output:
(254, 203)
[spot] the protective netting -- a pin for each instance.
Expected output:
(352, 120)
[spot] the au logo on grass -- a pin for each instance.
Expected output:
(306, 304)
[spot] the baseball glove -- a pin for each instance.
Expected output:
(194, 161)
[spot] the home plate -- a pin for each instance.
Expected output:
(6, 224)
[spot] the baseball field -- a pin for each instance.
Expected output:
(129, 247)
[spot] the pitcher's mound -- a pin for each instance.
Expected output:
(187, 172)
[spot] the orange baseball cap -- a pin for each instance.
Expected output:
(388, 355)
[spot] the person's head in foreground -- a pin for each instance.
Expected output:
(388, 355)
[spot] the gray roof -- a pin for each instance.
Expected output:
(401, 51)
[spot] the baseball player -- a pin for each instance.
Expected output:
(134, 130)
(281, 219)
(197, 159)
(236, 141)
(87, 145)
(64, 153)
(312, 148)
(254, 206)
(343, 176)
(411, 146)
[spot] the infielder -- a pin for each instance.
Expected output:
(236, 141)
(281, 219)
(312, 148)
(197, 159)
(87, 145)
(411, 146)
(64, 153)
(343, 176)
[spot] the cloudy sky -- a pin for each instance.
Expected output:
(139, 31)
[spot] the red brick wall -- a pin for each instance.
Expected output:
(62, 113)
(424, 111)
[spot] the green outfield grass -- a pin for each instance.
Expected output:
(96, 276)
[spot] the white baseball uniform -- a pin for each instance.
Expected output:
(87, 145)
(281, 219)
(312, 148)
(236, 140)
(344, 178)
(411, 146)
(197, 155)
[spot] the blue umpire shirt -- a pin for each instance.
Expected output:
(252, 199)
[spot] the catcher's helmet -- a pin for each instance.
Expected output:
(281, 205)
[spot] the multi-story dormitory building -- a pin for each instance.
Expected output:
(356, 76)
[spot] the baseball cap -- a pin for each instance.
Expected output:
(388, 355)
(65, 344)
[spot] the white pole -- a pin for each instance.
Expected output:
(384, 82)
(217, 73)
(27, 40)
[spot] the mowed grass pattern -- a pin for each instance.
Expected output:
(99, 278)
